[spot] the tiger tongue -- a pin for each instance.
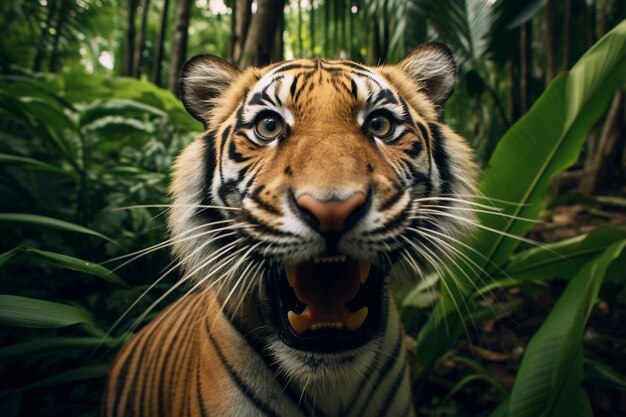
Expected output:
(327, 287)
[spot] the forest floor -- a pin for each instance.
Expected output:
(498, 345)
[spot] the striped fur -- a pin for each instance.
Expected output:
(216, 352)
(204, 366)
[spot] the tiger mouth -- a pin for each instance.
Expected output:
(330, 303)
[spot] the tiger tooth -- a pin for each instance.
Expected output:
(355, 320)
(298, 323)
(364, 271)
(291, 272)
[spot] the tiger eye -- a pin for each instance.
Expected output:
(269, 128)
(379, 125)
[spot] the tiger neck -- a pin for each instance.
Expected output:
(336, 393)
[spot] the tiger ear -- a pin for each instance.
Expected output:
(202, 79)
(431, 65)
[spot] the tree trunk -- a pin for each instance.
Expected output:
(342, 26)
(601, 28)
(278, 53)
(259, 41)
(350, 32)
(550, 42)
(42, 45)
(335, 20)
(326, 28)
(130, 38)
(300, 42)
(599, 151)
(567, 35)
(179, 43)
(525, 65)
(157, 66)
(60, 27)
(385, 31)
(312, 29)
(243, 15)
(591, 24)
(141, 39)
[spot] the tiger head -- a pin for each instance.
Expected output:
(314, 184)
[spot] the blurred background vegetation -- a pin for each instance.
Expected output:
(90, 123)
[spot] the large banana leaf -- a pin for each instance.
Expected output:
(547, 140)
(561, 259)
(548, 381)
(61, 260)
(36, 221)
(31, 312)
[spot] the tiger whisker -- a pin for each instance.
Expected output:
(489, 199)
(473, 210)
(202, 206)
(460, 253)
(177, 240)
(435, 261)
(457, 200)
(476, 270)
(159, 279)
(490, 229)
(187, 277)
(164, 243)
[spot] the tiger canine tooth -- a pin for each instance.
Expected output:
(298, 323)
(356, 319)
(364, 271)
(291, 272)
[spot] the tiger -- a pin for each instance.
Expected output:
(315, 185)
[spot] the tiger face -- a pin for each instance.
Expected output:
(316, 183)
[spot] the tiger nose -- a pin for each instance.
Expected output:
(329, 215)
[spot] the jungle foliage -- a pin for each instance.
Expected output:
(86, 148)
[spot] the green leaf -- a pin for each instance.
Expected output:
(547, 140)
(30, 163)
(31, 312)
(548, 381)
(54, 346)
(599, 374)
(37, 221)
(564, 258)
(79, 374)
(110, 108)
(64, 261)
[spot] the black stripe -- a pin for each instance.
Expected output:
(407, 111)
(294, 83)
(353, 89)
(416, 148)
(441, 158)
(301, 402)
(236, 378)
(203, 410)
(365, 380)
(387, 368)
(293, 66)
(225, 135)
(354, 65)
(234, 154)
(393, 200)
(169, 352)
(255, 196)
(386, 96)
(391, 393)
